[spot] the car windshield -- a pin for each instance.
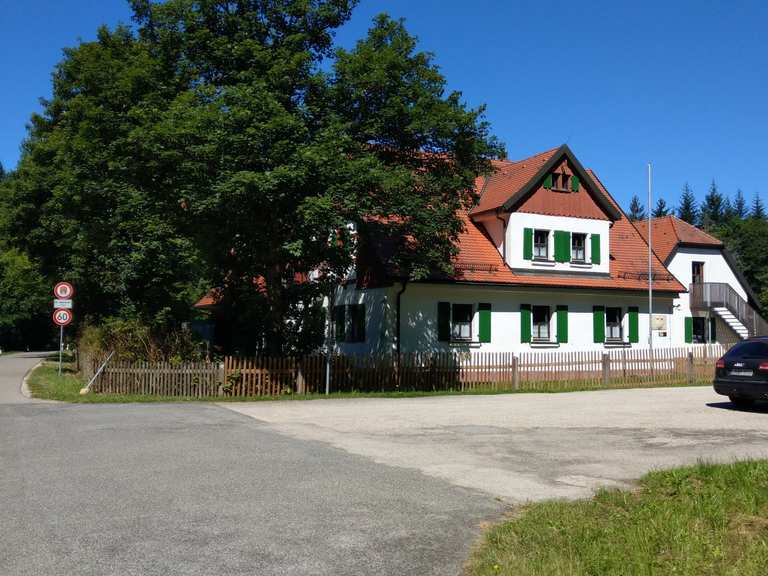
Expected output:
(748, 350)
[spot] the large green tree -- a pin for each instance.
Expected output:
(85, 205)
(214, 146)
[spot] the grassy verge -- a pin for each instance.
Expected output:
(695, 521)
(45, 383)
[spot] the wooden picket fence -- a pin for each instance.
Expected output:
(194, 379)
(482, 371)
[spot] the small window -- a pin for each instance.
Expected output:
(697, 272)
(560, 181)
(613, 324)
(578, 250)
(339, 323)
(541, 244)
(699, 330)
(541, 323)
(461, 322)
(355, 331)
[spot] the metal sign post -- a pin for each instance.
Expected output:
(62, 312)
(61, 346)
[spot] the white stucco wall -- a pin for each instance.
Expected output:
(518, 221)
(419, 317)
(379, 322)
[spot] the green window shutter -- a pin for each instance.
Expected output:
(598, 323)
(484, 311)
(562, 324)
(575, 183)
(688, 329)
(340, 322)
(528, 244)
(562, 246)
(712, 329)
(634, 324)
(548, 181)
(595, 248)
(444, 321)
(525, 322)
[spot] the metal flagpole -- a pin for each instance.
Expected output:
(650, 270)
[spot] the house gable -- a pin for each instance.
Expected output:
(513, 184)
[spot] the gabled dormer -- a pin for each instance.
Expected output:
(546, 213)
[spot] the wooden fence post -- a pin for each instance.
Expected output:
(221, 378)
(515, 372)
(606, 368)
(690, 367)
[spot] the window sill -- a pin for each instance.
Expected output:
(542, 262)
(459, 343)
(617, 344)
(581, 264)
(544, 344)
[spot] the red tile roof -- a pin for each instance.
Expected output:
(669, 232)
(496, 188)
(479, 261)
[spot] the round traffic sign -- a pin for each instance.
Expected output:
(62, 316)
(63, 291)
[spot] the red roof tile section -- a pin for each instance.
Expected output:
(496, 188)
(669, 232)
(554, 203)
(511, 177)
(479, 261)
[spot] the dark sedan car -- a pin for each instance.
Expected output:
(742, 374)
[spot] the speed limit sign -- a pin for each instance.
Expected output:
(63, 291)
(62, 317)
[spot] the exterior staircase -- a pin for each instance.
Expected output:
(724, 301)
(732, 321)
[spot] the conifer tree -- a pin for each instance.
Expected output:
(712, 210)
(661, 209)
(636, 209)
(740, 205)
(688, 211)
(758, 208)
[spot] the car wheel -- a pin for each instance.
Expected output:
(740, 402)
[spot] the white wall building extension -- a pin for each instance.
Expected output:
(420, 318)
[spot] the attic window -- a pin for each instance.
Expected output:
(560, 181)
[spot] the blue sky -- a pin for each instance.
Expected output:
(681, 84)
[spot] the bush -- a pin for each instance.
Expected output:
(133, 340)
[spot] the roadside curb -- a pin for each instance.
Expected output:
(24, 386)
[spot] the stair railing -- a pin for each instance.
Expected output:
(722, 295)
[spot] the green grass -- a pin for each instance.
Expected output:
(703, 520)
(45, 383)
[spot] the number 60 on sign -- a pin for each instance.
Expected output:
(62, 316)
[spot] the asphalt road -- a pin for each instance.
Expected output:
(171, 489)
(523, 447)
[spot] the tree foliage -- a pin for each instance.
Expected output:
(225, 143)
(688, 209)
(758, 209)
(713, 209)
(661, 209)
(636, 209)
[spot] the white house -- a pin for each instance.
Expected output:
(719, 305)
(547, 260)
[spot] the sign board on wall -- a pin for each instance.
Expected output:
(659, 322)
